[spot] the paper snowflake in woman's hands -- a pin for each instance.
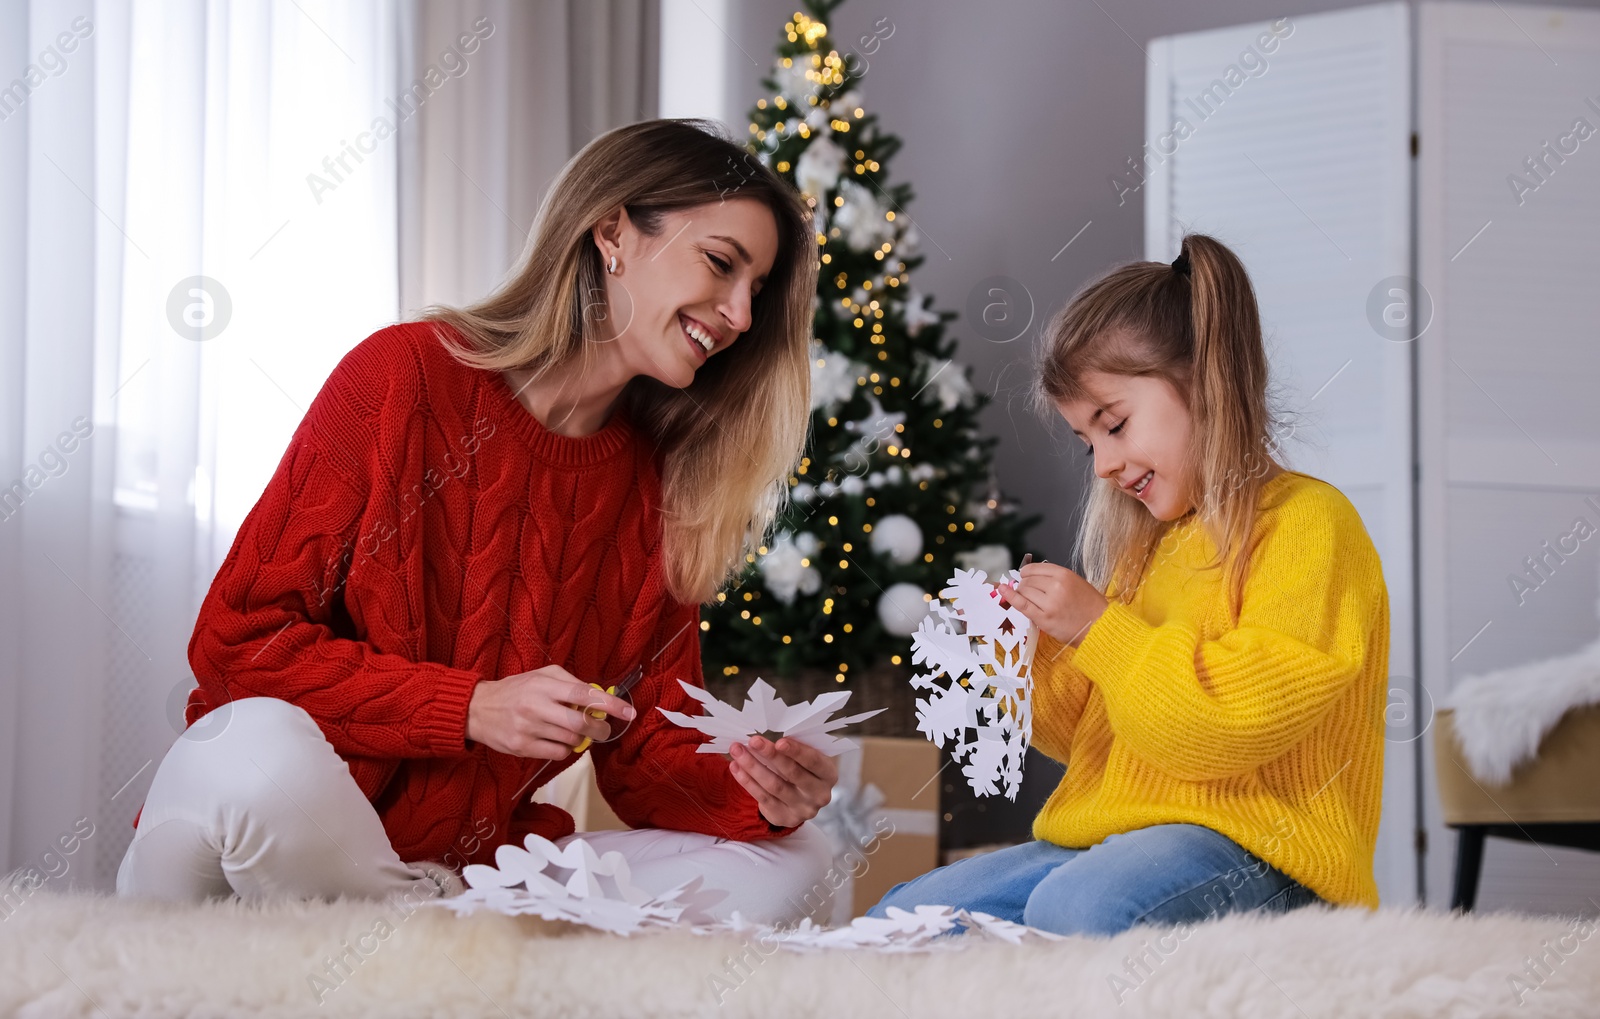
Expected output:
(764, 712)
(981, 656)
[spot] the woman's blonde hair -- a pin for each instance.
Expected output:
(1193, 323)
(728, 442)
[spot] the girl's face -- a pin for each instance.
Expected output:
(699, 275)
(1137, 429)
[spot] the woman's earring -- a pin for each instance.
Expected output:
(613, 266)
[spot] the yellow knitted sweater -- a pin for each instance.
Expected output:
(1268, 727)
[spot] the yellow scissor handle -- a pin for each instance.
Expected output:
(594, 713)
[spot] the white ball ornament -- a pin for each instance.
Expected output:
(993, 560)
(901, 608)
(898, 537)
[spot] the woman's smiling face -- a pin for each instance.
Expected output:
(681, 297)
(1137, 428)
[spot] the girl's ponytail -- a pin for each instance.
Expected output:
(1228, 388)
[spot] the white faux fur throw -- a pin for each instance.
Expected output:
(1501, 716)
(77, 954)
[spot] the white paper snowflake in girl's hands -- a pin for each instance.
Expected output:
(981, 657)
(764, 712)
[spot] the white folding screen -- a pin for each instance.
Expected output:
(1290, 142)
(1295, 148)
(1508, 420)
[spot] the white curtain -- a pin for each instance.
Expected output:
(552, 76)
(50, 523)
(203, 206)
(173, 276)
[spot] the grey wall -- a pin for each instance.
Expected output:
(1013, 114)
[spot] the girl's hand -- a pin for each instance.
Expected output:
(789, 780)
(1058, 601)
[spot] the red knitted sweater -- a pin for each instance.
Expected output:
(423, 532)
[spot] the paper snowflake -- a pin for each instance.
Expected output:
(576, 884)
(765, 713)
(926, 928)
(980, 654)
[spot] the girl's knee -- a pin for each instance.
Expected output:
(1076, 912)
(937, 887)
(1087, 903)
(880, 907)
(893, 897)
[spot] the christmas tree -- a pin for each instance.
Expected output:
(896, 488)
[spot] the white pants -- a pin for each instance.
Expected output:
(258, 804)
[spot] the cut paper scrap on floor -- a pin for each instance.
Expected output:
(928, 928)
(578, 885)
(765, 713)
(980, 657)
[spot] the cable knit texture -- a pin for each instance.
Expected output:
(424, 532)
(1266, 725)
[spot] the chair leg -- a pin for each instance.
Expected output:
(1469, 863)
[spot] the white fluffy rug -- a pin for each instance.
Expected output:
(77, 954)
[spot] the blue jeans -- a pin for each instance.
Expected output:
(1164, 874)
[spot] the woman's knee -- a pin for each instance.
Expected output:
(253, 747)
(247, 718)
(254, 722)
(808, 852)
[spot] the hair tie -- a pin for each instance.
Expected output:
(1181, 263)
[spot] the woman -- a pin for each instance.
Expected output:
(487, 510)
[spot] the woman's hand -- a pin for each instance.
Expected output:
(543, 713)
(1058, 601)
(789, 780)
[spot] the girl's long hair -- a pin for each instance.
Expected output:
(727, 442)
(1200, 331)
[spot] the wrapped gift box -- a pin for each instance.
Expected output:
(884, 822)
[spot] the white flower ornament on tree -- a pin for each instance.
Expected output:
(980, 654)
(833, 376)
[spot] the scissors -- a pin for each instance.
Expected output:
(618, 689)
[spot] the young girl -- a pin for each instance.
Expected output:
(1220, 707)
